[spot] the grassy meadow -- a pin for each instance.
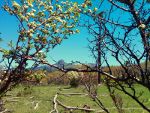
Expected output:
(23, 99)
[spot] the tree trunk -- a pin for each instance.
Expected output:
(99, 59)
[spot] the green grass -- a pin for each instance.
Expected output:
(44, 96)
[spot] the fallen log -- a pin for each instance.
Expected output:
(78, 108)
(55, 104)
(72, 94)
(71, 108)
(36, 106)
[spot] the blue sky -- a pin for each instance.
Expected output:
(75, 48)
(72, 49)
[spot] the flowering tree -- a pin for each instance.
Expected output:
(43, 25)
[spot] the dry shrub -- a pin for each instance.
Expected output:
(27, 90)
(57, 77)
(74, 82)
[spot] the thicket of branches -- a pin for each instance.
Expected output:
(121, 33)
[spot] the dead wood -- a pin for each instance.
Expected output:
(77, 108)
(55, 104)
(72, 94)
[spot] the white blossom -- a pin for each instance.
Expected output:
(89, 10)
(95, 9)
(33, 10)
(25, 6)
(142, 26)
(16, 5)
